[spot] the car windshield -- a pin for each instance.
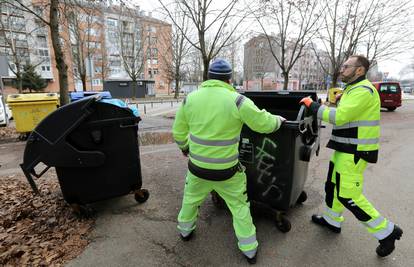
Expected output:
(389, 88)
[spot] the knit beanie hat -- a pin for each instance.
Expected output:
(220, 69)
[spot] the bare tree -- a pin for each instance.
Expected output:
(104, 63)
(231, 52)
(214, 26)
(295, 23)
(16, 41)
(12, 46)
(85, 33)
(372, 27)
(177, 49)
(132, 44)
(52, 22)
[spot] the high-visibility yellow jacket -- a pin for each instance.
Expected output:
(356, 121)
(210, 120)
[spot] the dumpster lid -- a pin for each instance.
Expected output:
(79, 95)
(14, 98)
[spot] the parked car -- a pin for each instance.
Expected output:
(407, 89)
(390, 94)
(9, 112)
(4, 120)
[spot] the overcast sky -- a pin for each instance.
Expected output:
(391, 66)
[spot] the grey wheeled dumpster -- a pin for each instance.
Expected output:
(277, 163)
(94, 149)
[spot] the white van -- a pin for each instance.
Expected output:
(4, 120)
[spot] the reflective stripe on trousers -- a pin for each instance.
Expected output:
(233, 191)
(331, 217)
(186, 228)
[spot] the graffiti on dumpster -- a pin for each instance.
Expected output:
(265, 162)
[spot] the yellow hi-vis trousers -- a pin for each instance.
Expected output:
(234, 193)
(344, 190)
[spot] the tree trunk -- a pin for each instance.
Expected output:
(285, 80)
(57, 48)
(134, 89)
(177, 90)
(335, 78)
(206, 63)
(83, 79)
(19, 79)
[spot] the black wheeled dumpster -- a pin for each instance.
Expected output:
(94, 149)
(277, 163)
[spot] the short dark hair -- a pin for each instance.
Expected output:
(363, 61)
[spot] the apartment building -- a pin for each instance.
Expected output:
(261, 71)
(23, 40)
(101, 42)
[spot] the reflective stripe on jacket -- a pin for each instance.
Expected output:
(210, 120)
(356, 121)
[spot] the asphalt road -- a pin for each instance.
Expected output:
(129, 234)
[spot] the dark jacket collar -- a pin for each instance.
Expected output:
(360, 78)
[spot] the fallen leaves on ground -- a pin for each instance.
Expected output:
(38, 230)
(8, 133)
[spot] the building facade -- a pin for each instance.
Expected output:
(101, 42)
(262, 72)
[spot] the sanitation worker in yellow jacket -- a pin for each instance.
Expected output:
(355, 139)
(207, 128)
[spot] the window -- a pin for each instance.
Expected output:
(389, 88)
(154, 52)
(111, 22)
(41, 41)
(151, 29)
(94, 32)
(43, 52)
(96, 82)
(94, 45)
(153, 40)
(45, 68)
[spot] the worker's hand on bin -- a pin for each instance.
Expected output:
(185, 152)
(337, 98)
(282, 120)
(307, 101)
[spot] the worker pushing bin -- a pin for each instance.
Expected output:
(94, 148)
(29, 109)
(277, 163)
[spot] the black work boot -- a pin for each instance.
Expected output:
(387, 245)
(318, 219)
(188, 237)
(251, 260)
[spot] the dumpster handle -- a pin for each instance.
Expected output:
(128, 125)
(30, 180)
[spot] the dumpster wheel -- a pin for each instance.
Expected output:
(141, 195)
(82, 211)
(282, 223)
(302, 197)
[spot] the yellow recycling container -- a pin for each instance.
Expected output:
(333, 92)
(29, 109)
